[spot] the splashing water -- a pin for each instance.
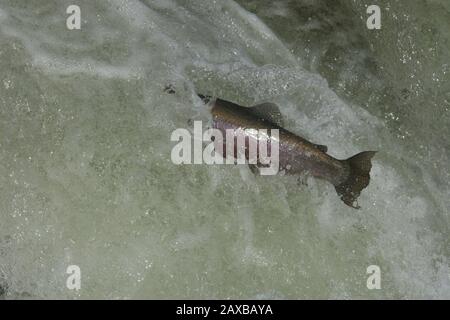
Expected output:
(86, 177)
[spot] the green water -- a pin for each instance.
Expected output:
(86, 176)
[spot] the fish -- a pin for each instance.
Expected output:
(297, 155)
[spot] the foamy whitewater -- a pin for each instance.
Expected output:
(86, 177)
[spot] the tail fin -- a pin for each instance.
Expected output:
(358, 178)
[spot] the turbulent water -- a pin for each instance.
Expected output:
(86, 176)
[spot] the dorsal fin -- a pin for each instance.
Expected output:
(268, 111)
(321, 147)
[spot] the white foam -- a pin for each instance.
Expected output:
(88, 180)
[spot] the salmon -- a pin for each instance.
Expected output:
(296, 154)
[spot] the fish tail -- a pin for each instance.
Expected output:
(357, 179)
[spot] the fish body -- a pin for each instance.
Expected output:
(296, 154)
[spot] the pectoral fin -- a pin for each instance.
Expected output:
(254, 169)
